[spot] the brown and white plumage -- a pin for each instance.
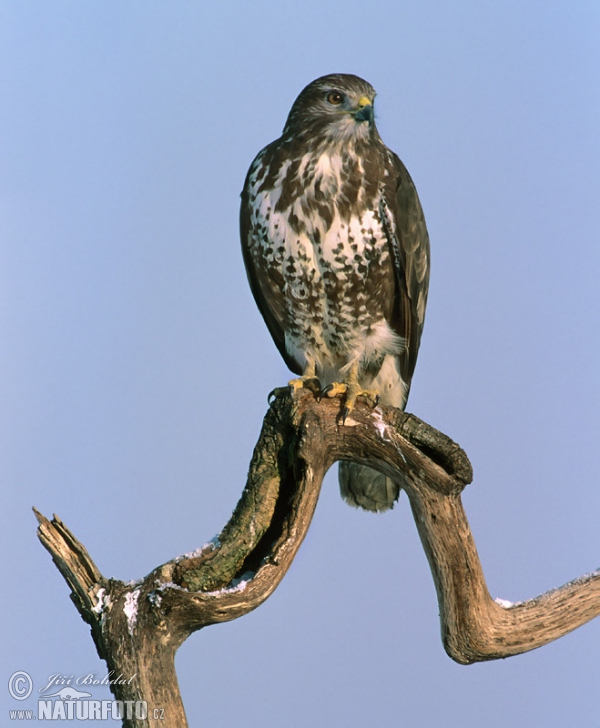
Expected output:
(337, 254)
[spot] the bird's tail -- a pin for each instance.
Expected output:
(361, 486)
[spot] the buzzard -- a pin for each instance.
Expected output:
(337, 256)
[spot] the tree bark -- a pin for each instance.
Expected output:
(138, 627)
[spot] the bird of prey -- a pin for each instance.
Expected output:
(337, 256)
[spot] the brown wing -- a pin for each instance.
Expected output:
(264, 284)
(404, 221)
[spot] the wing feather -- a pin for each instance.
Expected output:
(403, 218)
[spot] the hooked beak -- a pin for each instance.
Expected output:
(365, 111)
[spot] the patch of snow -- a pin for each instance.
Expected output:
(169, 585)
(211, 545)
(155, 599)
(504, 603)
(236, 585)
(580, 580)
(585, 577)
(244, 579)
(100, 604)
(130, 608)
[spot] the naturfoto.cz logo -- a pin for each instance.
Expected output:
(70, 703)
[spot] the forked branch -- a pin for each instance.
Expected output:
(137, 627)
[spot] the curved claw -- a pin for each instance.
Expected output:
(325, 391)
(277, 392)
(307, 382)
(333, 389)
(351, 390)
(311, 383)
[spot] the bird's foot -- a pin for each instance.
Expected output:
(352, 391)
(308, 381)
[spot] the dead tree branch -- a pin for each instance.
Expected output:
(138, 627)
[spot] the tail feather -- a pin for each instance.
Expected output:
(363, 487)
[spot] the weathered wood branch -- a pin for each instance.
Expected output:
(138, 627)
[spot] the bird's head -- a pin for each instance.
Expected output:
(338, 107)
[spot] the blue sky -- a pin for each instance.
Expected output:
(135, 367)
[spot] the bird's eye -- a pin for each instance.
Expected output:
(335, 98)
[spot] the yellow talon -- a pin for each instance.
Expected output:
(307, 381)
(300, 383)
(352, 389)
(353, 392)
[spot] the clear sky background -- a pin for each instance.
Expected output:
(134, 366)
